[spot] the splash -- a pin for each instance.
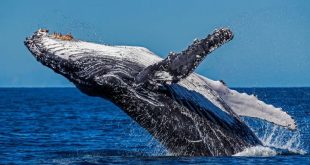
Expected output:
(257, 151)
(276, 140)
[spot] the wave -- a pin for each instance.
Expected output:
(264, 151)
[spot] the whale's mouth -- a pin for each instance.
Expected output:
(33, 43)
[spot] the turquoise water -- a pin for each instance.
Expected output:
(64, 126)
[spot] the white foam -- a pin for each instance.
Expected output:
(257, 151)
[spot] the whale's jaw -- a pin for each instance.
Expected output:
(179, 108)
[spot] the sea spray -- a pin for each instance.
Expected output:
(151, 148)
(276, 137)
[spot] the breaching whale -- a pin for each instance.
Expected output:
(189, 114)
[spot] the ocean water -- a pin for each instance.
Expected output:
(64, 126)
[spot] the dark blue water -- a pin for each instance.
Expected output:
(64, 126)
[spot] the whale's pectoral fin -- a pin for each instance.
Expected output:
(179, 65)
(250, 106)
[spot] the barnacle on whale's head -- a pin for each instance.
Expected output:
(66, 37)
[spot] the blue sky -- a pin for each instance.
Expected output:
(270, 48)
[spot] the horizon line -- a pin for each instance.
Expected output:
(229, 87)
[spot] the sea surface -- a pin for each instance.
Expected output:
(64, 126)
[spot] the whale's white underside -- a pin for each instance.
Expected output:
(241, 103)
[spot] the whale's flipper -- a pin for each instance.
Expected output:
(249, 106)
(179, 65)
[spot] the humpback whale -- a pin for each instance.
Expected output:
(187, 113)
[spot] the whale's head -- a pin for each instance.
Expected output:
(48, 50)
(85, 63)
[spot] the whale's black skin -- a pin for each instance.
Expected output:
(183, 125)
